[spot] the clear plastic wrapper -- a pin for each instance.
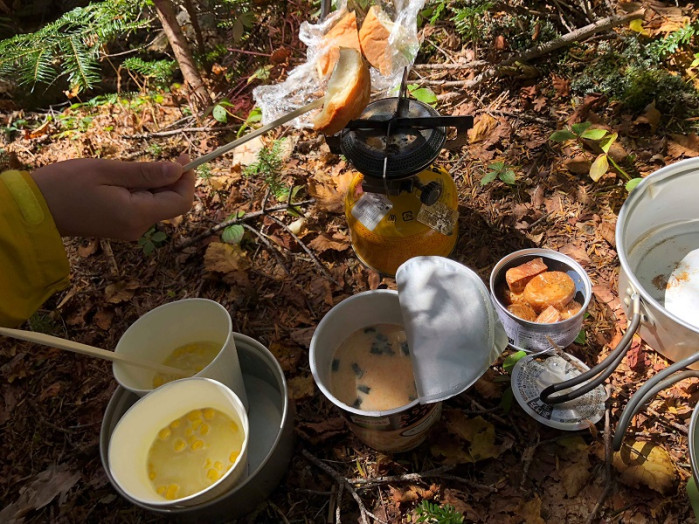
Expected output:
(304, 84)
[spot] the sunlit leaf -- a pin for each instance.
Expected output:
(608, 141)
(599, 167)
(220, 113)
(233, 234)
(637, 26)
(512, 359)
(423, 94)
(631, 184)
(508, 176)
(489, 177)
(594, 134)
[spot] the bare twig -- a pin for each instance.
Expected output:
(607, 462)
(266, 242)
(248, 216)
(455, 65)
(545, 48)
(342, 481)
(107, 248)
(156, 134)
(310, 253)
(417, 477)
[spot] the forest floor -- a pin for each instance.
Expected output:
(288, 271)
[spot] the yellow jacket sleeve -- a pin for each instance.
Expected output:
(33, 262)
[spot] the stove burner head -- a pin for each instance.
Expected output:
(383, 134)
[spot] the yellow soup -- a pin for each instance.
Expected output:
(193, 452)
(190, 357)
(372, 370)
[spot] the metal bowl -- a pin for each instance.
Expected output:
(271, 437)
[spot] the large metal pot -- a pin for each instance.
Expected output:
(657, 227)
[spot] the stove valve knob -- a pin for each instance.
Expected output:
(430, 193)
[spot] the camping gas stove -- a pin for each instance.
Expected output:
(398, 206)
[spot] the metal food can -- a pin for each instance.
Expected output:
(393, 430)
(532, 336)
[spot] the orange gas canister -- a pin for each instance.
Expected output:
(398, 205)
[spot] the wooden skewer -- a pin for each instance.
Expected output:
(257, 132)
(84, 349)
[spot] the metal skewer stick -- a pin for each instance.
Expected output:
(257, 132)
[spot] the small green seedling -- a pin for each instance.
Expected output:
(151, 240)
(431, 513)
(499, 170)
(233, 234)
(604, 139)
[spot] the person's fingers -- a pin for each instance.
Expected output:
(139, 175)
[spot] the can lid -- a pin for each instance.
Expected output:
(453, 331)
(533, 373)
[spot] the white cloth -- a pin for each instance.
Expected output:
(453, 331)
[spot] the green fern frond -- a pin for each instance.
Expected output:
(69, 46)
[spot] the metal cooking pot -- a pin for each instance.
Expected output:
(657, 228)
(664, 379)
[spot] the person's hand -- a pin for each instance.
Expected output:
(92, 197)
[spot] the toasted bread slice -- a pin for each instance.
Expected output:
(373, 37)
(343, 34)
(347, 93)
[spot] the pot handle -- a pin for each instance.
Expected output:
(666, 378)
(598, 374)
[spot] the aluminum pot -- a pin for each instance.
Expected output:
(657, 227)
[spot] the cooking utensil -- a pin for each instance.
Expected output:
(257, 132)
(84, 349)
(657, 230)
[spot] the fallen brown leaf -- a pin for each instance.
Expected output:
(121, 291)
(301, 387)
(682, 145)
(53, 482)
(647, 464)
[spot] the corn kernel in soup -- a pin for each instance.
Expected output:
(190, 357)
(192, 452)
(372, 370)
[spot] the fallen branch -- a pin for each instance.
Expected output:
(455, 65)
(248, 216)
(344, 483)
(307, 250)
(545, 48)
(607, 461)
(265, 240)
(440, 472)
(157, 134)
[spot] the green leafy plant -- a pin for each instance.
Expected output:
(70, 46)
(254, 117)
(269, 165)
(499, 170)
(432, 513)
(151, 240)
(604, 139)
(423, 94)
(219, 111)
(159, 71)
(234, 233)
(468, 19)
(204, 171)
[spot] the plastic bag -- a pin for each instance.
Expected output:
(303, 85)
